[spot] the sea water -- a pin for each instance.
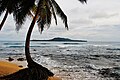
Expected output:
(17, 44)
(71, 60)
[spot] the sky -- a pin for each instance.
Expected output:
(98, 20)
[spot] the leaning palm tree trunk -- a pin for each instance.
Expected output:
(27, 43)
(44, 73)
(4, 19)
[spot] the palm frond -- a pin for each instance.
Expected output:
(34, 9)
(3, 4)
(53, 11)
(48, 14)
(21, 12)
(41, 25)
(83, 1)
(44, 15)
(60, 13)
(41, 16)
(30, 14)
(2, 9)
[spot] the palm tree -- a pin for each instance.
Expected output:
(8, 6)
(45, 10)
(13, 6)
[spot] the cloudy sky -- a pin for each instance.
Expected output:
(98, 20)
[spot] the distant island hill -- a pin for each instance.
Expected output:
(62, 40)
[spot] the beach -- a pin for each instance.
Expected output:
(70, 61)
(8, 68)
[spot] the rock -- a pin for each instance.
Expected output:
(20, 59)
(20, 66)
(10, 59)
(34, 49)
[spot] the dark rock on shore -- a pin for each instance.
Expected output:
(20, 59)
(20, 66)
(10, 59)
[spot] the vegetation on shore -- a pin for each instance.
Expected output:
(62, 39)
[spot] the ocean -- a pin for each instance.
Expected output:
(70, 60)
(17, 44)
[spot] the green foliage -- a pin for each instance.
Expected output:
(22, 11)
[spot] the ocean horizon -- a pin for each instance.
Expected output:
(58, 43)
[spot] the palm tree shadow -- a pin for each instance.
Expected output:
(35, 72)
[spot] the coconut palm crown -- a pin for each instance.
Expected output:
(16, 7)
(9, 6)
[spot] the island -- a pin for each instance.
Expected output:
(62, 40)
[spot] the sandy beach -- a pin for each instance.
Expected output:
(7, 68)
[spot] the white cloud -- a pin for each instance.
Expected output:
(81, 21)
(103, 15)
